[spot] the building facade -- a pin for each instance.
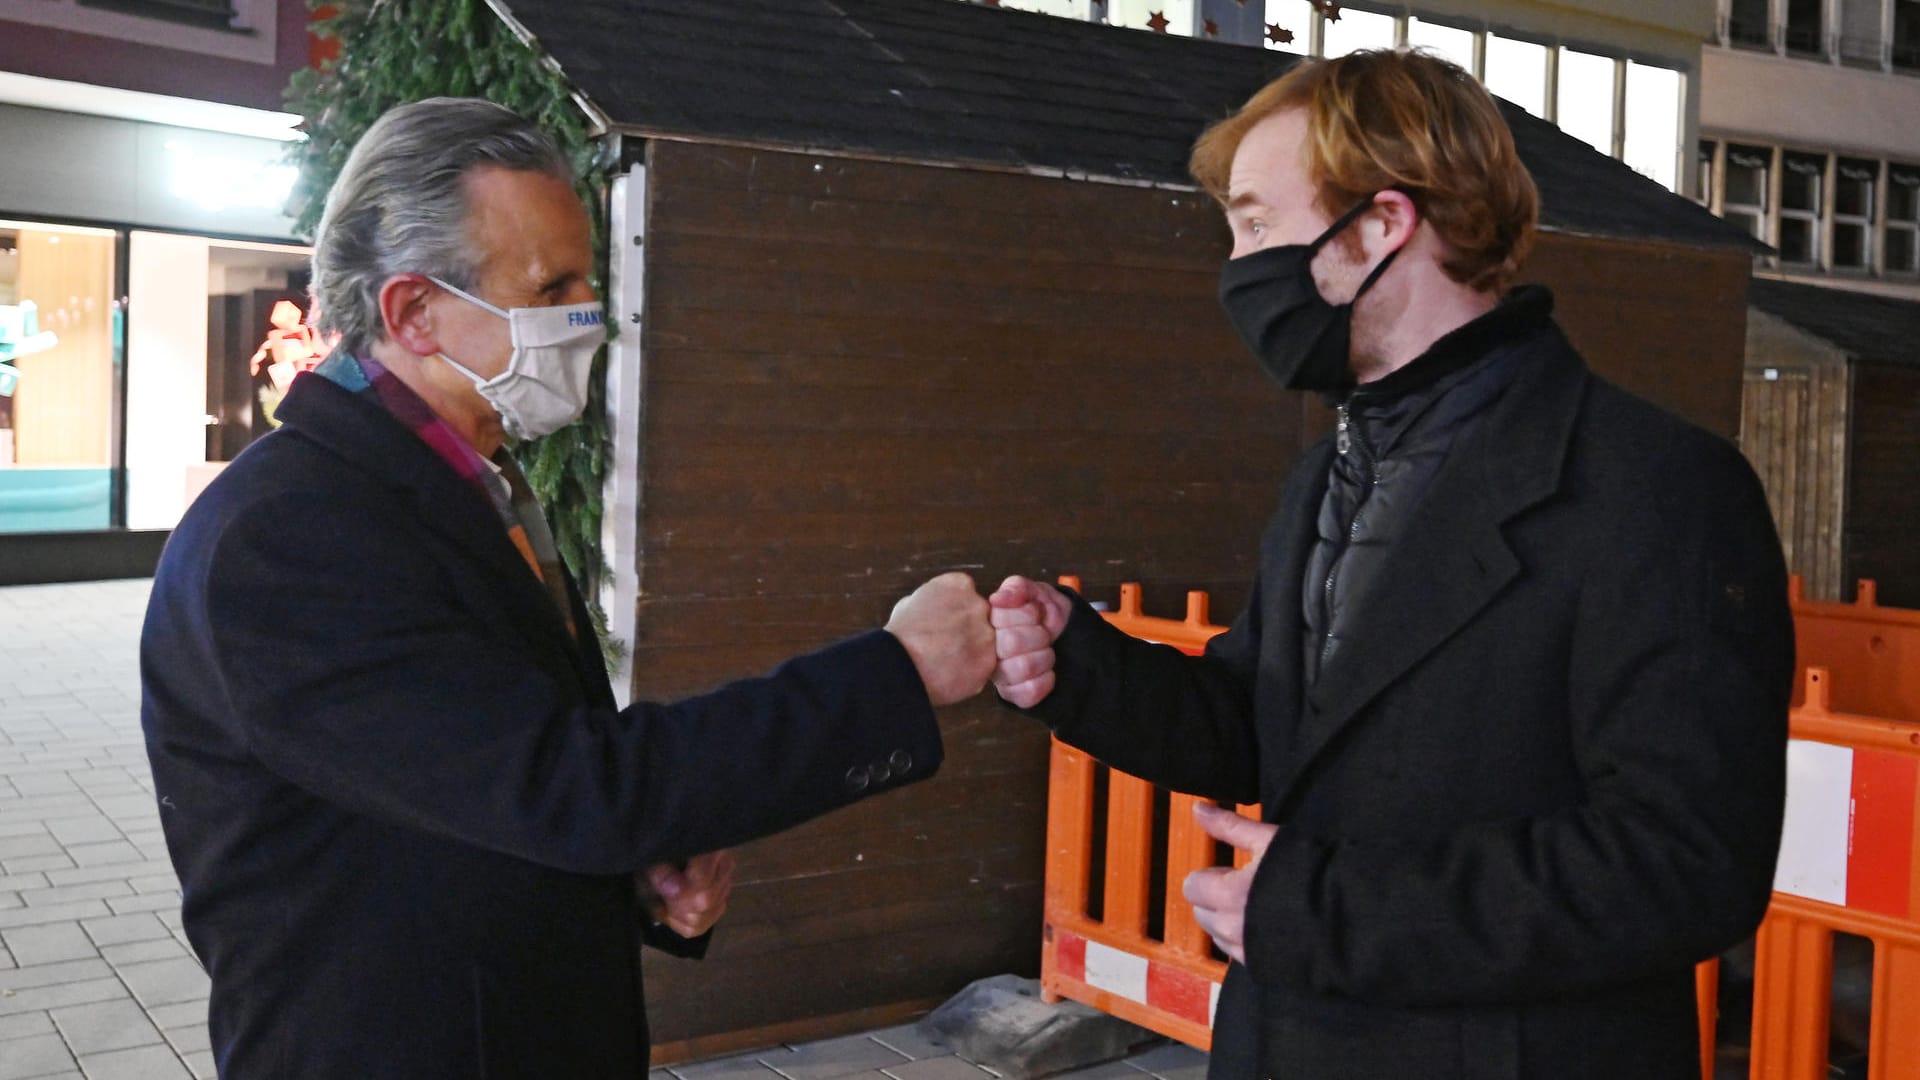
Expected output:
(1809, 140)
(143, 246)
(1621, 76)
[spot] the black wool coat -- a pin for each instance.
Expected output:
(405, 811)
(1542, 779)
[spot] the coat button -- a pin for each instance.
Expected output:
(880, 773)
(901, 761)
(858, 779)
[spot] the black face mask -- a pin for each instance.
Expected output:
(1297, 336)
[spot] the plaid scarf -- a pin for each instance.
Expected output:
(499, 480)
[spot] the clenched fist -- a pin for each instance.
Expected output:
(944, 627)
(689, 899)
(1028, 617)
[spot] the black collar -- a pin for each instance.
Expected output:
(1525, 312)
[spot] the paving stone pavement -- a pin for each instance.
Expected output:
(96, 978)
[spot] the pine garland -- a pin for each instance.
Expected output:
(393, 52)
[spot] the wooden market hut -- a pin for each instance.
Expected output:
(1832, 411)
(916, 285)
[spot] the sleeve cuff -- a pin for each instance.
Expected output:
(1073, 653)
(660, 937)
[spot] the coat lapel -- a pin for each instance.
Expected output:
(1451, 559)
(367, 437)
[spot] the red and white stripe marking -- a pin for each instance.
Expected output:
(1849, 835)
(1164, 987)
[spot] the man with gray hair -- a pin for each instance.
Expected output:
(416, 837)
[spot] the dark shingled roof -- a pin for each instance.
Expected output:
(944, 81)
(1873, 329)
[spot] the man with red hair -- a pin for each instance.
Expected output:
(1511, 688)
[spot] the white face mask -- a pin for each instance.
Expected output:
(545, 385)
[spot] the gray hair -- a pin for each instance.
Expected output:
(400, 205)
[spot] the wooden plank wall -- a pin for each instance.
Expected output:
(859, 375)
(1883, 511)
(1793, 428)
(1794, 431)
(1667, 323)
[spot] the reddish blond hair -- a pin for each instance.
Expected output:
(1407, 121)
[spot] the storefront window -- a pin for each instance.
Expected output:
(201, 310)
(59, 328)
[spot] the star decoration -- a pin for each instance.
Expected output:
(1328, 8)
(1212, 28)
(1279, 35)
(1158, 23)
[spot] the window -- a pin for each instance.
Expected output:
(1703, 172)
(202, 309)
(1072, 9)
(1805, 30)
(1860, 33)
(1656, 98)
(1517, 71)
(1356, 30)
(1586, 96)
(1289, 25)
(211, 14)
(1802, 183)
(1749, 178)
(1903, 219)
(1445, 41)
(1749, 24)
(1167, 16)
(1854, 186)
(1906, 34)
(59, 338)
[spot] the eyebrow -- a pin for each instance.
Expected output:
(1244, 200)
(559, 281)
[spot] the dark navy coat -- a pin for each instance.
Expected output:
(1542, 778)
(404, 808)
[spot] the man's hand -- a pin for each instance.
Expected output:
(944, 627)
(688, 902)
(1028, 617)
(1219, 895)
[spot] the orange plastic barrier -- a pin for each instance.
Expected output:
(1169, 984)
(1189, 635)
(1850, 862)
(1872, 651)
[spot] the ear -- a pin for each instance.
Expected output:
(1394, 219)
(404, 312)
